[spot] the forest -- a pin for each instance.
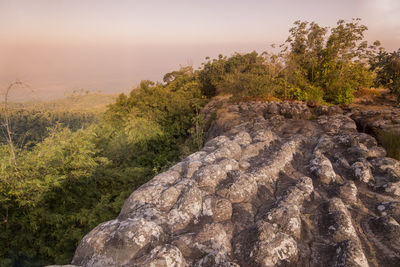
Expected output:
(63, 171)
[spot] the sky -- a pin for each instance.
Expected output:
(57, 46)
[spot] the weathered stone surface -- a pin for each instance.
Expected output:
(387, 167)
(162, 256)
(241, 189)
(271, 187)
(209, 177)
(344, 233)
(322, 168)
(274, 247)
(348, 193)
(188, 207)
(328, 110)
(374, 121)
(393, 188)
(127, 238)
(362, 171)
(219, 209)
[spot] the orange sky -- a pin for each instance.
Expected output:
(60, 45)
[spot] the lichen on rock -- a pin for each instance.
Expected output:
(272, 187)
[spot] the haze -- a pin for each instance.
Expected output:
(58, 46)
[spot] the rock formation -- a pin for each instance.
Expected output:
(373, 121)
(277, 184)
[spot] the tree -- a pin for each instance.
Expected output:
(387, 67)
(242, 75)
(334, 60)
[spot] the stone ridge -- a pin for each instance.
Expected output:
(278, 185)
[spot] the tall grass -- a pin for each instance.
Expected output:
(390, 140)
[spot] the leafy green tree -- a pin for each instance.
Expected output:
(211, 75)
(336, 63)
(317, 64)
(387, 67)
(242, 75)
(62, 158)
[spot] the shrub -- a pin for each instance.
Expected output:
(242, 75)
(387, 67)
(315, 95)
(247, 85)
(390, 140)
(291, 93)
(343, 95)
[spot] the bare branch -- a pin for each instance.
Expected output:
(6, 123)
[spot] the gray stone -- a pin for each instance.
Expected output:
(272, 189)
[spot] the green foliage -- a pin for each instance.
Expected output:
(77, 177)
(196, 138)
(240, 75)
(390, 140)
(154, 120)
(335, 63)
(387, 67)
(316, 64)
(315, 95)
(340, 93)
(30, 126)
(246, 84)
(61, 156)
(211, 75)
(34, 196)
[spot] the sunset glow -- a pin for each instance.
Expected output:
(57, 46)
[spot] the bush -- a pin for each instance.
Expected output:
(242, 75)
(340, 94)
(291, 93)
(316, 64)
(247, 85)
(315, 95)
(390, 140)
(387, 67)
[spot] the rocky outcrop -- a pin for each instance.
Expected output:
(374, 121)
(278, 185)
